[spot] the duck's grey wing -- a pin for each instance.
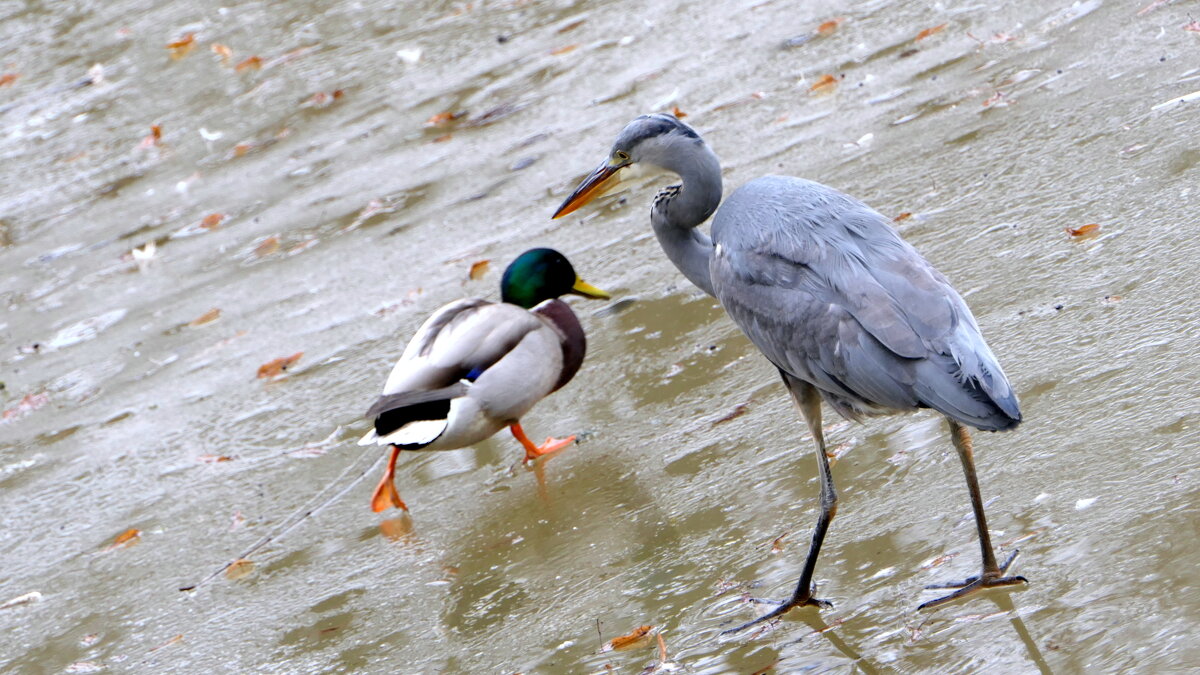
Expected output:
(459, 342)
(825, 287)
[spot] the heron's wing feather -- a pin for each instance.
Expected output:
(827, 290)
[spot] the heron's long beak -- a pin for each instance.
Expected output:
(596, 184)
(587, 290)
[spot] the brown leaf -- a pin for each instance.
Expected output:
(679, 114)
(1084, 230)
(238, 569)
(181, 47)
(929, 31)
(250, 63)
(26, 405)
(213, 459)
(478, 269)
(830, 26)
(154, 138)
(444, 119)
(777, 543)
(212, 220)
(903, 216)
(266, 247)
(626, 641)
(824, 83)
(207, 317)
(563, 50)
(8, 79)
(223, 51)
(278, 366)
(125, 539)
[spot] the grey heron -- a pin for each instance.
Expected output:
(475, 367)
(845, 309)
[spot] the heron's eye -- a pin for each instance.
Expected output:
(621, 156)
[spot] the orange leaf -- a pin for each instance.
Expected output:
(127, 538)
(223, 51)
(478, 269)
(442, 119)
(826, 82)
(154, 138)
(207, 317)
(563, 50)
(930, 31)
(626, 641)
(1084, 230)
(7, 79)
(181, 47)
(267, 247)
(679, 114)
(213, 459)
(239, 568)
(903, 216)
(829, 26)
(278, 366)
(251, 63)
(212, 220)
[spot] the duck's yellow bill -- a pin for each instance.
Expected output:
(587, 290)
(603, 179)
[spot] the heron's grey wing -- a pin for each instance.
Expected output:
(459, 341)
(828, 290)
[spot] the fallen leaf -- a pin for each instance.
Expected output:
(212, 220)
(322, 99)
(250, 63)
(8, 79)
(223, 51)
(242, 148)
(127, 538)
(478, 269)
(181, 47)
(903, 216)
(23, 599)
(278, 366)
(207, 317)
(825, 82)
(213, 459)
(929, 31)
(626, 641)
(443, 119)
(168, 643)
(830, 26)
(563, 50)
(26, 405)
(1084, 230)
(738, 410)
(266, 247)
(154, 138)
(777, 543)
(239, 569)
(679, 114)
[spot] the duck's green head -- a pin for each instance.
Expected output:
(541, 274)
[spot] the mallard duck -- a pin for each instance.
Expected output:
(475, 367)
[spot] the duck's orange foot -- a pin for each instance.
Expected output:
(552, 445)
(385, 495)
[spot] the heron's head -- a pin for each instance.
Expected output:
(542, 274)
(659, 140)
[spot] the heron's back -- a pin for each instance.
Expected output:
(831, 294)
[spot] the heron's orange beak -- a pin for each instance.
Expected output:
(597, 183)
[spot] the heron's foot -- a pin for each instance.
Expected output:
(551, 446)
(989, 579)
(784, 607)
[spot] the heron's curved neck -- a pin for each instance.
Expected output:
(678, 210)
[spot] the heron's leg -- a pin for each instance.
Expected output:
(385, 495)
(992, 574)
(808, 399)
(534, 451)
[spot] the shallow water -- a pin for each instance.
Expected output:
(1012, 123)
